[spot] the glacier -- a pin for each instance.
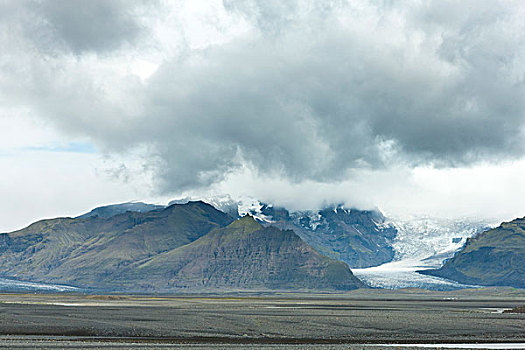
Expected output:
(422, 243)
(12, 285)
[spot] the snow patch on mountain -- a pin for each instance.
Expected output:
(253, 208)
(315, 219)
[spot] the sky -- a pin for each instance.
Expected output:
(412, 107)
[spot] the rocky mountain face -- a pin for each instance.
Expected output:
(88, 250)
(244, 255)
(492, 258)
(183, 247)
(356, 237)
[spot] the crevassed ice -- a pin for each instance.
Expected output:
(422, 243)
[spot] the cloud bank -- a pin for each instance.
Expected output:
(301, 91)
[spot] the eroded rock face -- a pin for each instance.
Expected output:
(246, 255)
(356, 237)
(5, 241)
(492, 258)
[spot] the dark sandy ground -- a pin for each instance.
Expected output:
(297, 321)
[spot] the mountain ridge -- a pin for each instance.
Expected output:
(360, 238)
(107, 211)
(86, 249)
(247, 255)
(168, 250)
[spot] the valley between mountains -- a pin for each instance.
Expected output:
(195, 247)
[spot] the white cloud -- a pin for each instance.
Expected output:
(300, 102)
(488, 191)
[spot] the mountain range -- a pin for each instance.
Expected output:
(360, 238)
(190, 246)
(86, 251)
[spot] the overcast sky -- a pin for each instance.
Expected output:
(415, 107)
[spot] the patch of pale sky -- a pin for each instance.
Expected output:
(37, 184)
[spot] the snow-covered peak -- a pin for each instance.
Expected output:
(254, 208)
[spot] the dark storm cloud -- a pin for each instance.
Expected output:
(312, 104)
(94, 25)
(79, 26)
(311, 93)
(448, 85)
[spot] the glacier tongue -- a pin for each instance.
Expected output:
(402, 274)
(421, 243)
(8, 285)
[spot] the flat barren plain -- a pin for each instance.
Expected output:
(361, 319)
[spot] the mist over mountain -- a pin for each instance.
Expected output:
(416, 107)
(360, 238)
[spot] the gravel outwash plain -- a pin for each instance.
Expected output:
(252, 320)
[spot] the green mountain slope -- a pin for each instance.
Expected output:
(92, 250)
(492, 258)
(243, 255)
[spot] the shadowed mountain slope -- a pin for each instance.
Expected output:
(360, 238)
(492, 258)
(243, 255)
(87, 251)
